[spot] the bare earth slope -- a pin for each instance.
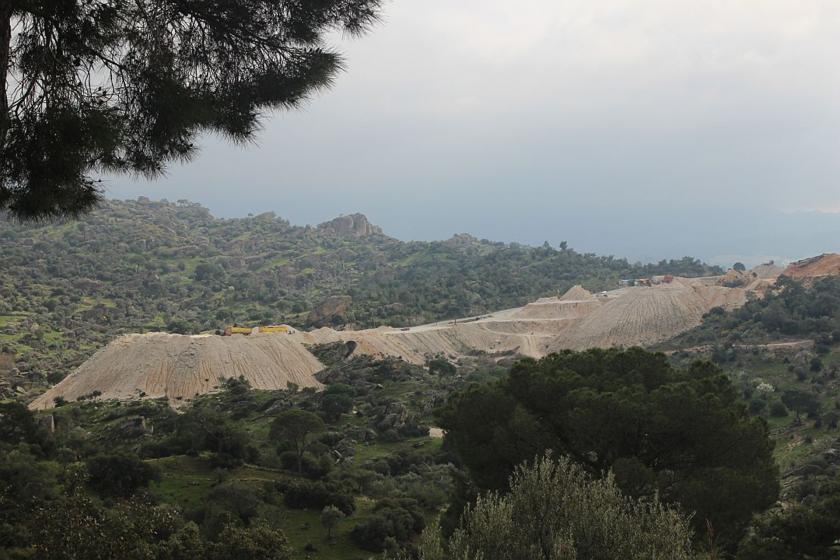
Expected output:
(827, 264)
(645, 315)
(178, 367)
(767, 271)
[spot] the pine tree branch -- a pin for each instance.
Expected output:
(5, 50)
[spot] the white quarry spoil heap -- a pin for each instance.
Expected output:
(179, 367)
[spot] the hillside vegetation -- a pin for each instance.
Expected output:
(339, 474)
(792, 311)
(69, 287)
(355, 470)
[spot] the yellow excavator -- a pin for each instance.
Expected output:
(275, 329)
(235, 329)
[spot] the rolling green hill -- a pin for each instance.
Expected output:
(69, 287)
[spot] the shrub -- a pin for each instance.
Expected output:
(254, 543)
(336, 400)
(317, 495)
(119, 475)
(778, 409)
(757, 406)
(400, 520)
(492, 428)
(311, 466)
(441, 366)
(236, 498)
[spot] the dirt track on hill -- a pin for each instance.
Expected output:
(786, 345)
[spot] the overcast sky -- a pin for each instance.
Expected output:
(643, 128)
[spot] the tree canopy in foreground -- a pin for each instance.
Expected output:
(681, 434)
(106, 85)
(555, 511)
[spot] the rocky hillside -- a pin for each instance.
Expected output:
(70, 287)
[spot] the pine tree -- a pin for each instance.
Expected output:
(116, 86)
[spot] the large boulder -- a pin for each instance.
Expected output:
(331, 311)
(393, 416)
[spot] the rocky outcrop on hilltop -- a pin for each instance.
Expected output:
(461, 240)
(330, 311)
(354, 224)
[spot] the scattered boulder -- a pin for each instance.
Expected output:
(334, 352)
(133, 428)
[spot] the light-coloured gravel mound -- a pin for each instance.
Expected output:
(179, 367)
(577, 293)
(647, 315)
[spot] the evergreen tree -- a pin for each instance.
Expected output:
(297, 427)
(681, 434)
(106, 85)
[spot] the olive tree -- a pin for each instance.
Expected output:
(297, 427)
(556, 511)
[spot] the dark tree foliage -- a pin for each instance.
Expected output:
(75, 527)
(296, 427)
(119, 475)
(441, 366)
(254, 543)
(18, 425)
(234, 498)
(109, 85)
(207, 430)
(798, 532)
(399, 520)
(336, 400)
(800, 401)
(681, 433)
(317, 495)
